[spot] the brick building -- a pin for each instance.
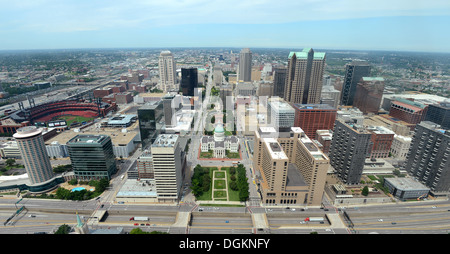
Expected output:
(313, 117)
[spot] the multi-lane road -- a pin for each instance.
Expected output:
(426, 217)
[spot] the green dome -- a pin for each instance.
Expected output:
(219, 129)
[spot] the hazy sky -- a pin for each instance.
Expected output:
(415, 25)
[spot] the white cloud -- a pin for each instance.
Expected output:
(72, 15)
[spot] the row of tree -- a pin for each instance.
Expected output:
(201, 180)
(241, 183)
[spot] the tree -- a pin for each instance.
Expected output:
(233, 185)
(365, 191)
(63, 230)
(137, 231)
(73, 181)
(10, 162)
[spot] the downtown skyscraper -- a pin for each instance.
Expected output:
(304, 77)
(245, 65)
(34, 154)
(354, 71)
(167, 71)
(189, 81)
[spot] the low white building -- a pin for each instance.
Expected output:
(10, 150)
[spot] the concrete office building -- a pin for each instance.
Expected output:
(330, 96)
(304, 77)
(10, 150)
(167, 71)
(92, 157)
(406, 188)
(145, 166)
(293, 169)
(427, 159)
(354, 71)
(169, 160)
(245, 65)
(34, 154)
(170, 107)
(349, 148)
(280, 114)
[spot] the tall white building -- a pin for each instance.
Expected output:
(34, 154)
(168, 163)
(167, 71)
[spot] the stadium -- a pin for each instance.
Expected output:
(72, 111)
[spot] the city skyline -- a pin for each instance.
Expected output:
(348, 24)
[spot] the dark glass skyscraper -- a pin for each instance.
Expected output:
(279, 80)
(354, 71)
(189, 81)
(151, 121)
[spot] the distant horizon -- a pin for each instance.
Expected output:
(218, 47)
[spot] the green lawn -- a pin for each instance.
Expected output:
(231, 155)
(71, 119)
(220, 194)
(207, 155)
(219, 184)
(219, 174)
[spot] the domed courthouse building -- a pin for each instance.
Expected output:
(219, 143)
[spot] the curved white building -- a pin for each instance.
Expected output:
(167, 71)
(34, 154)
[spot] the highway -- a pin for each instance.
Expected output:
(39, 215)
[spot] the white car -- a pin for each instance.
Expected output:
(380, 219)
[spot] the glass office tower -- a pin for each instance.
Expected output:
(92, 157)
(151, 121)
